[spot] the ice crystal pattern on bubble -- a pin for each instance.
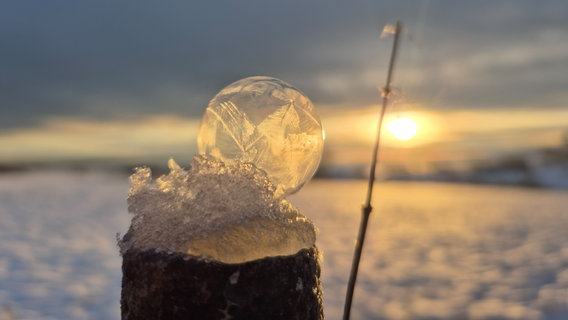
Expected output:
(269, 123)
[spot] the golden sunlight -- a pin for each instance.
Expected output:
(403, 128)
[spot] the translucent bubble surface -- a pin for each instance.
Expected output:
(269, 123)
(224, 212)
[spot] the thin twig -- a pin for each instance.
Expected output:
(366, 212)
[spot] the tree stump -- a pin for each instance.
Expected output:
(162, 285)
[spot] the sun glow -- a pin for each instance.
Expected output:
(403, 128)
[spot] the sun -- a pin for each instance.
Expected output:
(403, 128)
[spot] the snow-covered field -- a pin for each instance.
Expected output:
(444, 251)
(434, 251)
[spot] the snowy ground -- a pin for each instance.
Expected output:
(434, 251)
(58, 254)
(443, 251)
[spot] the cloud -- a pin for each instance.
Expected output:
(139, 139)
(76, 58)
(105, 60)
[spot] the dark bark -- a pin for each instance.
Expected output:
(159, 285)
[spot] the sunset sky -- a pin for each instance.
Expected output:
(128, 82)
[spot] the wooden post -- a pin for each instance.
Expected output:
(160, 285)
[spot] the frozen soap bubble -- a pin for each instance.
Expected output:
(267, 122)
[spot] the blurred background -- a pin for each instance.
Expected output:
(91, 89)
(105, 84)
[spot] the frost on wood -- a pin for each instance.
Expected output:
(267, 122)
(223, 212)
